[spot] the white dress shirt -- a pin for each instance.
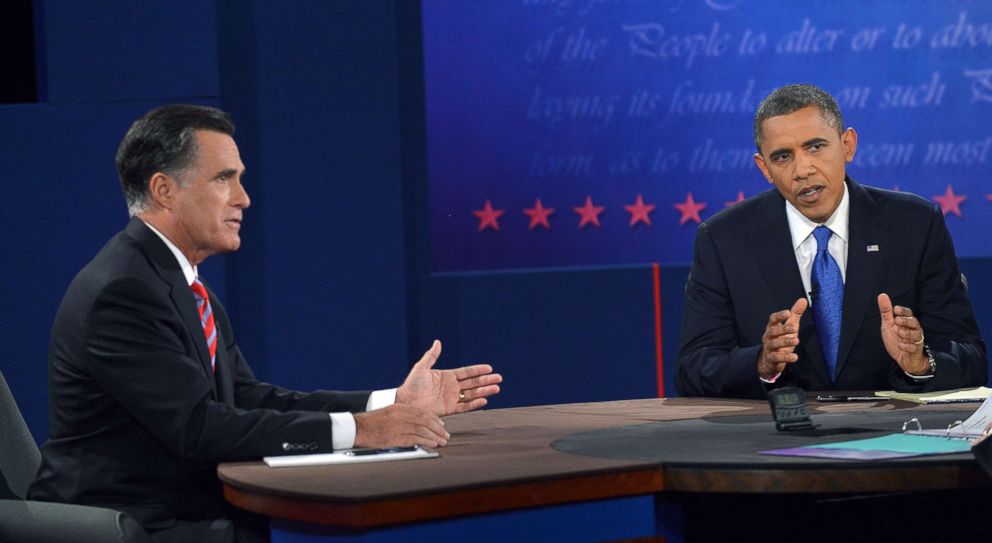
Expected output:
(804, 243)
(343, 427)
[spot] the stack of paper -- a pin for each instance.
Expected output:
(944, 396)
(954, 439)
(879, 448)
(971, 428)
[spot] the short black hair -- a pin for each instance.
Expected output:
(792, 98)
(163, 141)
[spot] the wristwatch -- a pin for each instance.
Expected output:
(930, 371)
(930, 359)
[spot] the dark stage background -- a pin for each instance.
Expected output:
(372, 130)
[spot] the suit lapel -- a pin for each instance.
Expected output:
(776, 259)
(863, 268)
(168, 268)
(224, 380)
(182, 296)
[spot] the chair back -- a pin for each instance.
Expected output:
(19, 454)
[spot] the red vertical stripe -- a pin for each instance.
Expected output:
(659, 359)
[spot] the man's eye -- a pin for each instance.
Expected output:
(779, 159)
(816, 147)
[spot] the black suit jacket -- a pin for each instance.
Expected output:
(744, 269)
(138, 422)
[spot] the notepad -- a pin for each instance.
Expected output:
(960, 395)
(342, 457)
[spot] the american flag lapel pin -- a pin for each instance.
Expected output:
(873, 248)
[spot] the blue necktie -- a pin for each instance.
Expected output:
(828, 298)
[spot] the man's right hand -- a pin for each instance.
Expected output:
(399, 426)
(778, 344)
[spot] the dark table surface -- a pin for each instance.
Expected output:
(542, 455)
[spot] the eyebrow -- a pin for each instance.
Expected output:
(807, 143)
(227, 172)
(814, 141)
(779, 152)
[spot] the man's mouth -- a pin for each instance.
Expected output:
(810, 194)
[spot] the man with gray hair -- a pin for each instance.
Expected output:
(148, 389)
(823, 283)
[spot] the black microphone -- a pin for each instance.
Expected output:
(814, 289)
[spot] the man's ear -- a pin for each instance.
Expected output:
(849, 139)
(162, 189)
(759, 161)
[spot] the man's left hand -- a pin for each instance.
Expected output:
(445, 392)
(903, 337)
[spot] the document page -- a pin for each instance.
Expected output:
(350, 456)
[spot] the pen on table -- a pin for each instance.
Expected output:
(367, 452)
(850, 398)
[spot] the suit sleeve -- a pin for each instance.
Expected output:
(251, 393)
(712, 360)
(136, 350)
(947, 318)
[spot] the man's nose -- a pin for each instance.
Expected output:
(239, 196)
(804, 166)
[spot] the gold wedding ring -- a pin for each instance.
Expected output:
(920, 342)
(461, 395)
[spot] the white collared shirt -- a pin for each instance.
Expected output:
(804, 244)
(343, 426)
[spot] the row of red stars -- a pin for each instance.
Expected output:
(640, 212)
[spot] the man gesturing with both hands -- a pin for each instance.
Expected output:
(824, 283)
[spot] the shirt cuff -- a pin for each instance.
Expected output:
(342, 430)
(919, 377)
(381, 398)
(772, 380)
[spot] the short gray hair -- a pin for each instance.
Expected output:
(792, 98)
(163, 140)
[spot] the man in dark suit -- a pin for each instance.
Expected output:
(823, 283)
(148, 390)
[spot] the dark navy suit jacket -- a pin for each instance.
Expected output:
(744, 269)
(138, 421)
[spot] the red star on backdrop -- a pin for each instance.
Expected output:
(539, 215)
(895, 188)
(690, 209)
(589, 213)
(740, 198)
(488, 217)
(950, 202)
(639, 212)
(988, 197)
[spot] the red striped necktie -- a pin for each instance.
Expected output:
(206, 319)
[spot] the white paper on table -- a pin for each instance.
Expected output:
(971, 428)
(342, 457)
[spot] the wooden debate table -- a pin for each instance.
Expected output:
(676, 468)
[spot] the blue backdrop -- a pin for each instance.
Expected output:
(339, 282)
(589, 107)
